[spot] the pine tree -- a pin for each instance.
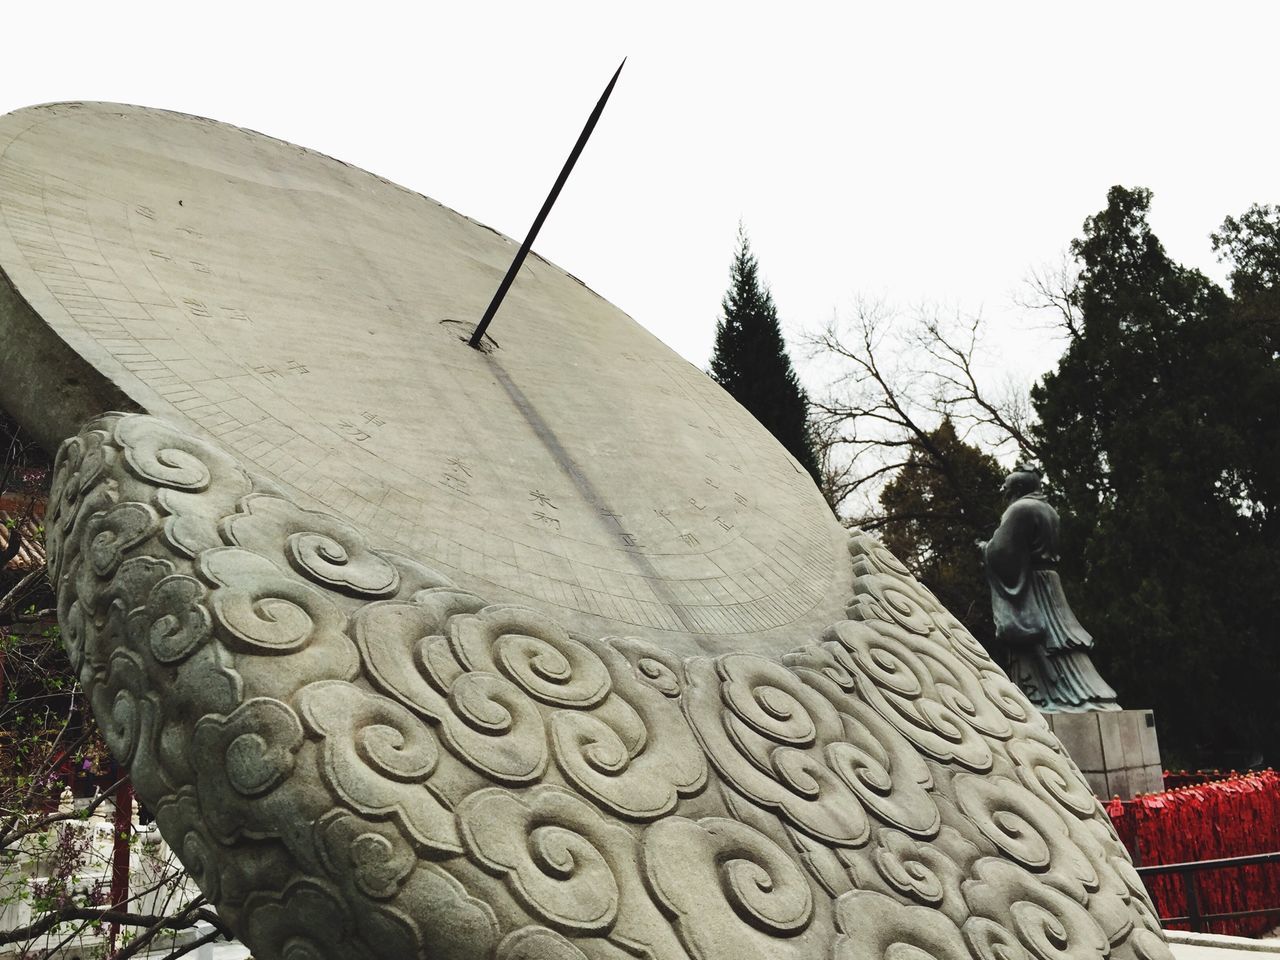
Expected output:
(750, 360)
(1157, 431)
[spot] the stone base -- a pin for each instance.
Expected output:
(1116, 750)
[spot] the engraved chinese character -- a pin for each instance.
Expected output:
(146, 212)
(724, 524)
(740, 498)
(712, 457)
(353, 431)
(196, 307)
(234, 313)
(161, 255)
(664, 514)
(710, 483)
(373, 419)
(690, 539)
(610, 515)
(629, 539)
(541, 499)
(266, 371)
(548, 520)
(455, 483)
(693, 501)
(296, 366)
(199, 267)
(716, 432)
(459, 464)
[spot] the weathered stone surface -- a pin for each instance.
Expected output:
(354, 757)
(308, 317)
(546, 652)
(1116, 750)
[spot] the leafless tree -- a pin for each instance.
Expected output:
(892, 381)
(1051, 289)
(45, 734)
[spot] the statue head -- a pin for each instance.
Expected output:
(1024, 479)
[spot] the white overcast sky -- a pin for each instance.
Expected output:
(915, 152)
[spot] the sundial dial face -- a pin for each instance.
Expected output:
(309, 317)
(258, 590)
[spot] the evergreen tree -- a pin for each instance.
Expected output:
(1152, 434)
(750, 360)
(1251, 244)
(941, 501)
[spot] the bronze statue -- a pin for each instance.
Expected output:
(1048, 648)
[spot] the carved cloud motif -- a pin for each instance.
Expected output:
(356, 758)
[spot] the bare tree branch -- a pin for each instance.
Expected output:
(182, 951)
(893, 380)
(193, 913)
(189, 917)
(21, 827)
(1052, 288)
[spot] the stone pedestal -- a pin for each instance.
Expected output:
(1117, 750)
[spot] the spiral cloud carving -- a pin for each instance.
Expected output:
(356, 758)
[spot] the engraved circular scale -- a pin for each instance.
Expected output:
(310, 317)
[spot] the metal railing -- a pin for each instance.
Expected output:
(1188, 871)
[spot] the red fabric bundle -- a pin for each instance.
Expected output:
(1207, 821)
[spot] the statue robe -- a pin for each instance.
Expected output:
(1049, 649)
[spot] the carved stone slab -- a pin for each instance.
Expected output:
(356, 758)
(1116, 750)
(309, 317)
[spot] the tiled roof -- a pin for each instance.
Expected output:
(31, 554)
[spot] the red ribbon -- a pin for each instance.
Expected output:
(1204, 819)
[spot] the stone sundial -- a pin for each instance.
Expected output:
(310, 317)
(545, 650)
